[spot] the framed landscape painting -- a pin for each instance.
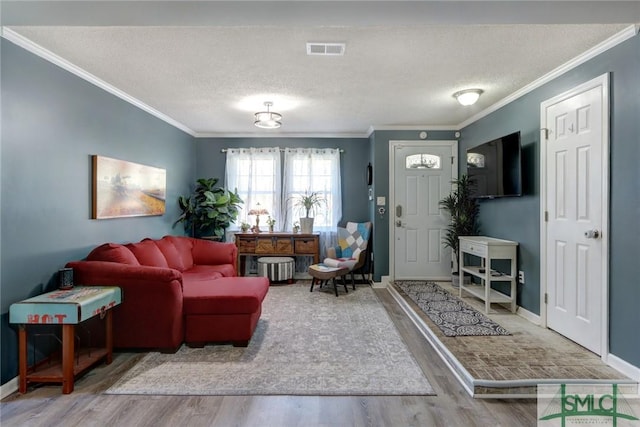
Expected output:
(124, 189)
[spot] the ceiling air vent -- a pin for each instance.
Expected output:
(326, 49)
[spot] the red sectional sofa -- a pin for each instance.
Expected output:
(175, 290)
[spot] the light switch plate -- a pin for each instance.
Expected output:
(381, 201)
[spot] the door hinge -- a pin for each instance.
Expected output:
(546, 133)
(546, 298)
(546, 216)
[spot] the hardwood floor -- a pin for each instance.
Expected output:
(87, 406)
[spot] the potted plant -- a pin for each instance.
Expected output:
(464, 210)
(271, 222)
(245, 226)
(308, 202)
(296, 227)
(209, 210)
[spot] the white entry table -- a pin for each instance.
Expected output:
(488, 249)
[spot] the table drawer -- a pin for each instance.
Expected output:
(305, 246)
(274, 245)
(246, 245)
(265, 246)
(284, 246)
(473, 248)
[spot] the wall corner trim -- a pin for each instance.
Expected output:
(624, 367)
(8, 388)
(528, 315)
(47, 55)
(616, 39)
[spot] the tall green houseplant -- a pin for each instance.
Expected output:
(463, 209)
(209, 210)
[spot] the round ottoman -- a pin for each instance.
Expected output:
(277, 269)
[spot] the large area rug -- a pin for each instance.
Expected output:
(453, 316)
(305, 344)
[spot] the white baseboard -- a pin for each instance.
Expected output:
(383, 283)
(8, 388)
(526, 314)
(624, 367)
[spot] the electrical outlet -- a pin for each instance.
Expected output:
(521, 277)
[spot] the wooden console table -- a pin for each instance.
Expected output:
(66, 308)
(276, 244)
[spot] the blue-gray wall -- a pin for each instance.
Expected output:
(210, 163)
(52, 122)
(519, 218)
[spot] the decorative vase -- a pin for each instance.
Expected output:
(306, 225)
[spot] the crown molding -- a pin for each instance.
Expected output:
(40, 51)
(611, 42)
(415, 127)
(279, 135)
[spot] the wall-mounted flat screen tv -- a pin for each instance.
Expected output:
(496, 167)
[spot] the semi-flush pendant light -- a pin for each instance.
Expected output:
(468, 96)
(268, 119)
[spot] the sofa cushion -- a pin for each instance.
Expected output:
(198, 273)
(171, 253)
(207, 252)
(113, 252)
(227, 295)
(147, 253)
(226, 270)
(184, 245)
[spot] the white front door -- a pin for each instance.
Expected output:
(422, 174)
(575, 156)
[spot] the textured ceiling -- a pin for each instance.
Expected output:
(212, 78)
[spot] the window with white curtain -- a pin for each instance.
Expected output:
(255, 174)
(313, 170)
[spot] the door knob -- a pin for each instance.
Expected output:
(398, 223)
(592, 234)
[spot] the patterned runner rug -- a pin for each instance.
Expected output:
(453, 316)
(305, 344)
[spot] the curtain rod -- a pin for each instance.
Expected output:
(224, 150)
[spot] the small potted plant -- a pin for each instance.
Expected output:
(245, 226)
(296, 227)
(271, 223)
(308, 203)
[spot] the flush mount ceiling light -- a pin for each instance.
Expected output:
(268, 119)
(468, 96)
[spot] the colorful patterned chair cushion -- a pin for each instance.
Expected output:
(353, 239)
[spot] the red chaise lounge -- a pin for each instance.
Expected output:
(175, 290)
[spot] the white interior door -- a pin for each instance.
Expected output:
(576, 161)
(421, 178)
